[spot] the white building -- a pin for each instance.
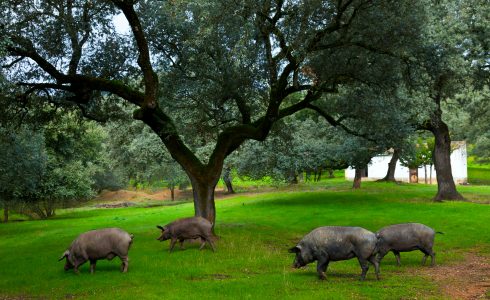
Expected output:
(378, 167)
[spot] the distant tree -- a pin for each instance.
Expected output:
(448, 59)
(22, 165)
(138, 158)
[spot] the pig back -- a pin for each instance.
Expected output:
(189, 228)
(98, 244)
(405, 236)
(341, 242)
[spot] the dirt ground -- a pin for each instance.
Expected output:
(469, 279)
(124, 196)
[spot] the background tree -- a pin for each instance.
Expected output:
(22, 163)
(445, 72)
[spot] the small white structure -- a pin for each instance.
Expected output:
(378, 167)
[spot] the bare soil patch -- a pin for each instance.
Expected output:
(469, 279)
(124, 196)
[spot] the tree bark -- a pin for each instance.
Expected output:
(227, 179)
(357, 178)
(413, 175)
(203, 193)
(390, 174)
(446, 188)
(5, 213)
(172, 193)
(319, 174)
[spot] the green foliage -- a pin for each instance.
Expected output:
(418, 153)
(251, 259)
(139, 158)
(22, 164)
(52, 167)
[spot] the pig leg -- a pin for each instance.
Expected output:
(181, 244)
(432, 258)
(125, 264)
(210, 242)
(397, 256)
(428, 252)
(172, 244)
(321, 268)
(381, 254)
(92, 266)
(364, 266)
(375, 263)
(203, 243)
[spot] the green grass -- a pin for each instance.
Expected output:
(251, 261)
(478, 174)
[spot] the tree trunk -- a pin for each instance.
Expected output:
(446, 189)
(319, 176)
(330, 173)
(425, 174)
(357, 178)
(293, 177)
(390, 174)
(227, 179)
(203, 192)
(229, 187)
(172, 193)
(414, 175)
(5, 213)
(430, 174)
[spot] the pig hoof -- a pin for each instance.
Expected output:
(322, 276)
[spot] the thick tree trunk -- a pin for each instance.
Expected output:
(357, 178)
(446, 189)
(203, 192)
(390, 174)
(5, 213)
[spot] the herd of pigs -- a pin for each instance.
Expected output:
(323, 244)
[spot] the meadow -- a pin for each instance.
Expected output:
(251, 261)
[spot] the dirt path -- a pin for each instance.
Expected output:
(469, 279)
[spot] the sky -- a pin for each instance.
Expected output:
(121, 24)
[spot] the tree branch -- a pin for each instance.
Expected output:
(337, 123)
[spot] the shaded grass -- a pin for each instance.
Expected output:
(252, 260)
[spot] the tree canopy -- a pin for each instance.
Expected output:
(214, 74)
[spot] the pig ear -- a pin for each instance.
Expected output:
(65, 254)
(295, 249)
(160, 227)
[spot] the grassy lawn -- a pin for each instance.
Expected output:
(251, 261)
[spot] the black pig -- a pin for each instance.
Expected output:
(406, 237)
(98, 244)
(187, 229)
(334, 243)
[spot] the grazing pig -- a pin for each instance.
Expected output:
(333, 243)
(406, 237)
(186, 229)
(98, 244)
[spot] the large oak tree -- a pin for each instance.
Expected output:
(219, 72)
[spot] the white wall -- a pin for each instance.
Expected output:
(379, 166)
